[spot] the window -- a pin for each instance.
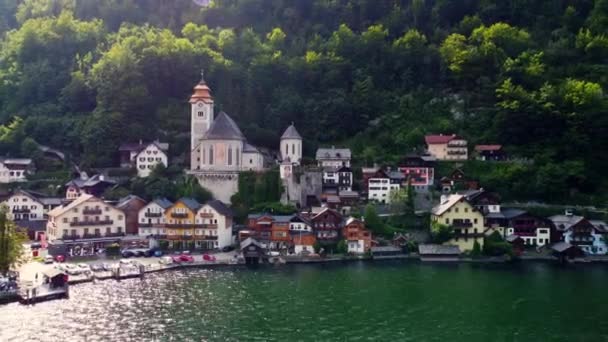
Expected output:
(230, 155)
(475, 221)
(65, 220)
(238, 159)
(466, 210)
(211, 155)
(455, 210)
(293, 148)
(201, 114)
(108, 230)
(447, 221)
(120, 217)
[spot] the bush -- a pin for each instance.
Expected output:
(494, 245)
(113, 249)
(441, 233)
(342, 248)
(476, 252)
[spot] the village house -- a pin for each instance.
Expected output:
(273, 231)
(382, 184)
(457, 180)
(587, 235)
(15, 169)
(151, 219)
(180, 221)
(95, 185)
(84, 226)
(219, 150)
(131, 205)
(214, 222)
(534, 231)
(30, 206)
(144, 156)
(336, 180)
(302, 235)
(446, 147)
(358, 239)
(489, 152)
(468, 222)
(327, 224)
(333, 157)
(419, 171)
(367, 173)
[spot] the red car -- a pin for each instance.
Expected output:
(208, 257)
(176, 258)
(59, 258)
(186, 258)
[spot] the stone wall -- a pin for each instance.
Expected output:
(300, 185)
(221, 184)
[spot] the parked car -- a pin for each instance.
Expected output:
(166, 260)
(59, 258)
(127, 253)
(176, 258)
(48, 259)
(139, 253)
(228, 249)
(36, 245)
(186, 253)
(72, 269)
(97, 268)
(186, 258)
(148, 253)
(274, 253)
(84, 268)
(209, 257)
(158, 253)
(124, 261)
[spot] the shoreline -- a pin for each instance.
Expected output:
(278, 261)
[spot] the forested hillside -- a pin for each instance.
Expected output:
(83, 76)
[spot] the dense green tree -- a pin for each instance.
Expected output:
(11, 242)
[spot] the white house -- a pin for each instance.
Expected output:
(302, 235)
(586, 234)
(333, 157)
(382, 184)
(214, 222)
(14, 169)
(144, 156)
(447, 147)
(86, 218)
(30, 206)
(151, 218)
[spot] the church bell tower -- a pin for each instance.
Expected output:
(201, 108)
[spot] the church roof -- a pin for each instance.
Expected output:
(201, 92)
(223, 127)
(291, 133)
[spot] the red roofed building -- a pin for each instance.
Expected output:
(446, 147)
(489, 152)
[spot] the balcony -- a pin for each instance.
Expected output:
(462, 224)
(179, 215)
(205, 237)
(114, 234)
(91, 211)
(91, 223)
(158, 236)
(21, 210)
(179, 237)
(91, 236)
(206, 215)
(153, 214)
(184, 225)
(458, 153)
(71, 237)
(457, 144)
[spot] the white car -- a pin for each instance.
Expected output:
(72, 269)
(84, 268)
(49, 259)
(274, 253)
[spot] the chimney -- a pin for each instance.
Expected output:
(102, 177)
(443, 199)
(568, 212)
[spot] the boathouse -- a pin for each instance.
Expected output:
(252, 250)
(438, 252)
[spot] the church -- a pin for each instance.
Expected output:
(220, 151)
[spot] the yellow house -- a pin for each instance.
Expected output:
(467, 221)
(180, 221)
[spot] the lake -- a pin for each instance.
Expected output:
(362, 301)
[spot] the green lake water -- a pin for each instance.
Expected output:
(388, 301)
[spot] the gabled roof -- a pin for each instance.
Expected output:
(125, 200)
(333, 153)
(291, 133)
(324, 210)
(396, 175)
(561, 247)
(449, 202)
(63, 209)
(223, 127)
(15, 161)
(438, 249)
(481, 148)
(250, 241)
(300, 218)
(512, 213)
(564, 222)
(163, 202)
(432, 139)
(220, 207)
(139, 146)
(191, 203)
(92, 181)
(353, 220)
(599, 225)
(250, 148)
(512, 238)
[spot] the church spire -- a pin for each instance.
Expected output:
(202, 81)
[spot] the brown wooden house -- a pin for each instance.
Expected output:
(131, 205)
